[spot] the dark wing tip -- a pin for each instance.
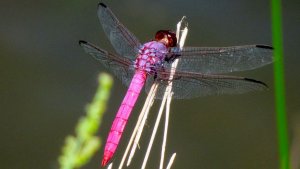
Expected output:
(82, 42)
(256, 81)
(264, 46)
(102, 4)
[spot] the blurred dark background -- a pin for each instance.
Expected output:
(47, 80)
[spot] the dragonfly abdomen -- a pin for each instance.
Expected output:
(123, 114)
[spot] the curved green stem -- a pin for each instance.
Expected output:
(79, 149)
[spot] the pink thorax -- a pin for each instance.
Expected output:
(151, 55)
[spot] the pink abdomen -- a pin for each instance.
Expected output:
(124, 111)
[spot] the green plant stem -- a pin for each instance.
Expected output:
(279, 85)
(79, 149)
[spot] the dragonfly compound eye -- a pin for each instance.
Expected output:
(172, 40)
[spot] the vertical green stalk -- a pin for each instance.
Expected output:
(279, 85)
(79, 149)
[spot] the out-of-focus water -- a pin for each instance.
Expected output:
(47, 79)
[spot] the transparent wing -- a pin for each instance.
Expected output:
(120, 66)
(191, 85)
(210, 60)
(124, 42)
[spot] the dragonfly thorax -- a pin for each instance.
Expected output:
(151, 55)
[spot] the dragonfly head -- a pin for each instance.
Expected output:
(167, 37)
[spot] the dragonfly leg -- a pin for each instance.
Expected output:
(171, 57)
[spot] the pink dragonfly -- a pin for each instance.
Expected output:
(136, 64)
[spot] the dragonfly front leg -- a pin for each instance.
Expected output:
(171, 57)
(155, 76)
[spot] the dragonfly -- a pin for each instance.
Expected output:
(199, 71)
